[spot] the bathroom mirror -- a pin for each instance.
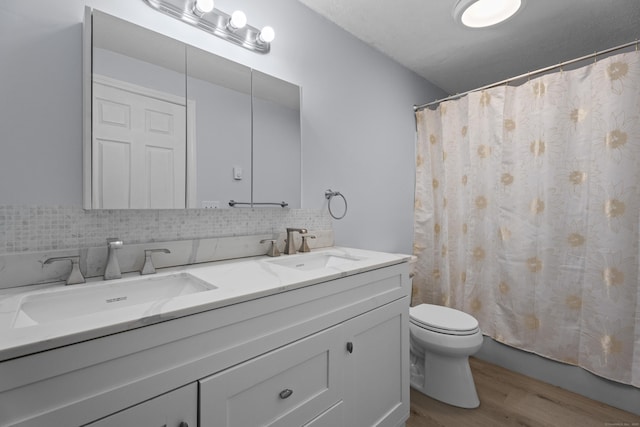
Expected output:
(174, 126)
(219, 93)
(276, 140)
(139, 138)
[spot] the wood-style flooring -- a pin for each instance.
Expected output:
(511, 399)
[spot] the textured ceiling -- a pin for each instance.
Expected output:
(423, 36)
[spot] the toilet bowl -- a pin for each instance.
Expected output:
(442, 339)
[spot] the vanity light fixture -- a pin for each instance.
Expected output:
(266, 35)
(233, 28)
(485, 13)
(200, 7)
(237, 21)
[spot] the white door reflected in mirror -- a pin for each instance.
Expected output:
(139, 150)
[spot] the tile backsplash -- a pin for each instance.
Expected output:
(46, 228)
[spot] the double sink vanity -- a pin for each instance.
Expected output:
(312, 339)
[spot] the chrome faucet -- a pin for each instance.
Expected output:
(75, 277)
(290, 247)
(112, 270)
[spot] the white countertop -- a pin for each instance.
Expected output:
(235, 281)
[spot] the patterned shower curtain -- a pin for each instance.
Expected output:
(527, 214)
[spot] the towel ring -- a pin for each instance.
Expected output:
(330, 195)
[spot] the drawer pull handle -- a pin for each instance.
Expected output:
(350, 347)
(285, 393)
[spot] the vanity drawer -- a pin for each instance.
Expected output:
(332, 417)
(173, 409)
(286, 387)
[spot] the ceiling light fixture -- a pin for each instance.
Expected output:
(485, 13)
(233, 28)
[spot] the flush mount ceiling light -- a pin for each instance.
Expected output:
(485, 13)
(233, 28)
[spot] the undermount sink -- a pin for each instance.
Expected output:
(313, 261)
(81, 300)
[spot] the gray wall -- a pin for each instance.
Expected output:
(223, 142)
(357, 120)
(276, 152)
(140, 73)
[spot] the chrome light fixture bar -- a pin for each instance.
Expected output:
(233, 28)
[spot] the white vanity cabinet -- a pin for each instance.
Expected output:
(330, 354)
(358, 366)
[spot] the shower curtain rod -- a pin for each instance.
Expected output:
(529, 74)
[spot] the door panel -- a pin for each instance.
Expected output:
(153, 173)
(377, 381)
(113, 166)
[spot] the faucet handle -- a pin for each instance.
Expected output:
(148, 267)
(304, 247)
(75, 277)
(273, 248)
(299, 230)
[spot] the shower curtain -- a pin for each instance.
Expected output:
(527, 214)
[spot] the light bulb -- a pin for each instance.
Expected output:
(266, 35)
(238, 20)
(202, 6)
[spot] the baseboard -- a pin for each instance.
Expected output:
(569, 377)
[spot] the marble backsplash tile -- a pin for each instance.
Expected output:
(46, 228)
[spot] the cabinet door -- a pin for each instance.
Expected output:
(286, 387)
(377, 366)
(178, 408)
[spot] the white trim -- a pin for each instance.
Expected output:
(192, 175)
(139, 90)
(86, 108)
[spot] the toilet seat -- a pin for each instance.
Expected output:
(443, 320)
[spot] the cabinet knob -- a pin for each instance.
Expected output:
(350, 347)
(285, 393)
(183, 424)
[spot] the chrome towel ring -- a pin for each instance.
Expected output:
(329, 195)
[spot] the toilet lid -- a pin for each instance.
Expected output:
(442, 319)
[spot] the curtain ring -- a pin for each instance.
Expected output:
(330, 195)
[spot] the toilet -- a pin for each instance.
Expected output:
(442, 339)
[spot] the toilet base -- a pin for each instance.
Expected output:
(448, 380)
